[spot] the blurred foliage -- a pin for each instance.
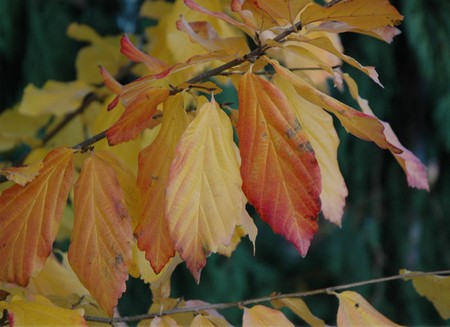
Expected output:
(386, 227)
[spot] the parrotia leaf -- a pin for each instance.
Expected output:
(30, 217)
(263, 316)
(281, 176)
(100, 248)
(354, 310)
(204, 199)
(152, 231)
(435, 288)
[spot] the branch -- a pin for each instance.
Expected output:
(240, 304)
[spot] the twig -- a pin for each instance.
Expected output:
(238, 304)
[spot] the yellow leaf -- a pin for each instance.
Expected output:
(324, 140)
(202, 321)
(30, 217)
(102, 51)
(155, 9)
(204, 199)
(363, 14)
(24, 174)
(354, 310)
(152, 231)
(10, 135)
(58, 98)
(102, 234)
(262, 316)
(41, 312)
(165, 321)
(56, 279)
(435, 288)
(325, 43)
(298, 306)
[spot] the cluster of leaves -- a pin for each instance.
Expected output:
(159, 177)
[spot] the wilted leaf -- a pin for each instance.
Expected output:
(23, 174)
(262, 316)
(319, 127)
(153, 64)
(435, 288)
(363, 14)
(30, 217)
(42, 312)
(298, 306)
(58, 98)
(102, 234)
(281, 177)
(354, 310)
(152, 231)
(416, 172)
(137, 116)
(203, 199)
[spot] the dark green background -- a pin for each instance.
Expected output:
(387, 226)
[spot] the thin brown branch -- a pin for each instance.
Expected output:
(240, 304)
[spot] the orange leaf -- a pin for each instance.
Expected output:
(281, 176)
(363, 14)
(136, 116)
(102, 234)
(354, 310)
(152, 231)
(203, 199)
(30, 217)
(319, 127)
(260, 315)
(153, 64)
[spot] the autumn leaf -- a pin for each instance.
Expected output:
(354, 310)
(364, 14)
(58, 98)
(100, 248)
(435, 288)
(319, 127)
(281, 176)
(281, 9)
(299, 307)
(153, 64)
(203, 199)
(152, 231)
(57, 279)
(30, 216)
(165, 321)
(416, 172)
(101, 51)
(137, 116)
(262, 316)
(23, 174)
(364, 126)
(41, 312)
